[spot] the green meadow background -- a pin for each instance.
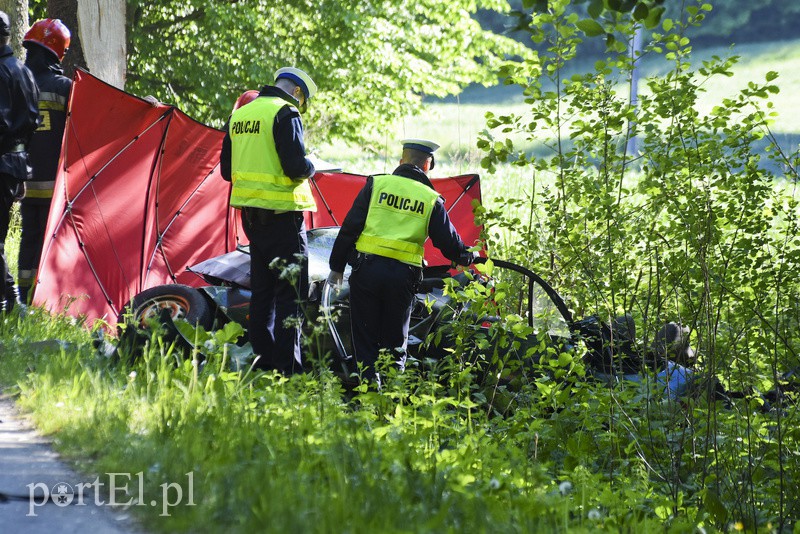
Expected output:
(456, 122)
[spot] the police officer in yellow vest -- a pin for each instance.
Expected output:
(386, 228)
(263, 155)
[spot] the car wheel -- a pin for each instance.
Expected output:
(176, 300)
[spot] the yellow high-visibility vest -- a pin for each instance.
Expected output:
(397, 221)
(257, 176)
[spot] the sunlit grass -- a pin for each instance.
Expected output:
(274, 455)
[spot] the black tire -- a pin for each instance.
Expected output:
(177, 300)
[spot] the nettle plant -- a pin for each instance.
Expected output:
(652, 207)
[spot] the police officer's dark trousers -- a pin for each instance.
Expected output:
(279, 293)
(381, 295)
(9, 186)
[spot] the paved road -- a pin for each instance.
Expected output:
(27, 464)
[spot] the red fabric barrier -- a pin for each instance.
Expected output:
(139, 198)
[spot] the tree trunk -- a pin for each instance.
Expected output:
(98, 36)
(17, 11)
(67, 11)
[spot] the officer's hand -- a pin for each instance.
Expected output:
(335, 279)
(465, 261)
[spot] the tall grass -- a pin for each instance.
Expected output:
(271, 454)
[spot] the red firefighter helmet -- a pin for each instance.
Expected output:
(51, 34)
(245, 98)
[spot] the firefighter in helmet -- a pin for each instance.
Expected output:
(46, 42)
(263, 155)
(245, 98)
(19, 117)
(387, 227)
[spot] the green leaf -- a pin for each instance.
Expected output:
(538, 6)
(715, 506)
(229, 333)
(641, 11)
(654, 17)
(196, 336)
(596, 8)
(485, 268)
(590, 27)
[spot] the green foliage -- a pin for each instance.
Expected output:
(372, 60)
(656, 209)
(741, 21)
(422, 454)
(731, 21)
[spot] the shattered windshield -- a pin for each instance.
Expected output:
(320, 244)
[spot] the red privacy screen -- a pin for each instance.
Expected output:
(139, 198)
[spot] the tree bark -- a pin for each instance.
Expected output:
(98, 37)
(17, 11)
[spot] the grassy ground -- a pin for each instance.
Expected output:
(245, 452)
(204, 449)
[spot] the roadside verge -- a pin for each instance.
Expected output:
(41, 494)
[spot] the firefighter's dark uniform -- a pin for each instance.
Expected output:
(19, 117)
(44, 150)
(387, 227)
(263, 154)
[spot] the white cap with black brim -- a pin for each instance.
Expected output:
(300, 78)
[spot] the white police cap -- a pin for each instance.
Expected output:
(423, 145)
(300, 78)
